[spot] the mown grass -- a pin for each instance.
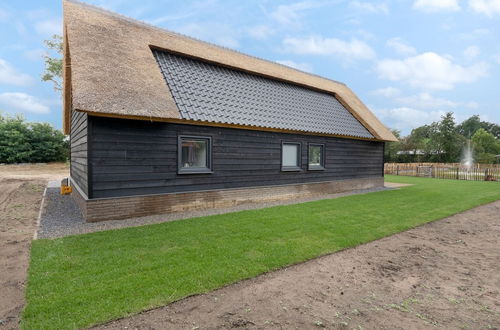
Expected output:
(83, 280)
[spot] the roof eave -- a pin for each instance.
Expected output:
(226, 125)
(66, 75)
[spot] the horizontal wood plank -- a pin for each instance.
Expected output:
(138, 158)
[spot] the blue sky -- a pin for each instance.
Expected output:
(409, 61)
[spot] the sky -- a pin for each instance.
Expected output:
(410, 61)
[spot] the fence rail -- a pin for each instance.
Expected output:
(478, 166)
(478, 172)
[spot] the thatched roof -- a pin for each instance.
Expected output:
(110, 70)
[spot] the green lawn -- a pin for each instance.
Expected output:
(83, 280)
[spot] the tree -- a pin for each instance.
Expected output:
(448, 142)
(54, 64)
(22, 142)
(14, 140)
(486, 146)
(443, 141)
(47, 143)
(418, 142)
(391, 148)
(469, 126)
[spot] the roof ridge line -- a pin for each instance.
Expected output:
(149, 25)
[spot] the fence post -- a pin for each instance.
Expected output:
(457, 173)
(397, 170)
(486, 174)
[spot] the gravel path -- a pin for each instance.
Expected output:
(62, 217)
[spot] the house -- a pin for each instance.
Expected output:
(160, 122)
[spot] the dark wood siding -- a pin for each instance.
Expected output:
(78, 136)
(137, 158)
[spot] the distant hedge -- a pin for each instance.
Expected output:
(23, 142)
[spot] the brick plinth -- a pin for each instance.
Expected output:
(136, 206)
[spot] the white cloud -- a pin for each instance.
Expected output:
(292, 13)
(426, 101)
(260, 32)
(430, 71)
(364, 34)
(4, 15)
(370, 7)
(471, 105)
(474, 34)
(299, 66)
(421, 100)
(169, 18)
(471, 52)
(190, 9)
(400, 46)
(314, 45)
(436, 5)
(218, 33)
(34, 54)
(386, 92)
(49, 27)
(486, 7)
(406, 118)
(9, 75)
(22, 102)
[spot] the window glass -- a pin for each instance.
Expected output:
(290, 155)
(315, 155)
(194, 153)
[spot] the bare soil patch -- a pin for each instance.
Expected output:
(19, 207)
(445, 274)
(396, 185)
(45, 172)
(21, 190)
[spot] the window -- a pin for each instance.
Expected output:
(290, 156)
(316, 157)
(194, 154)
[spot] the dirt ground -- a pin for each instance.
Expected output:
(444, 274)
(21, 190)
(44, 172)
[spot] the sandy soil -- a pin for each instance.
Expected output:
(45, 172)
(396, 185)
(444, 274)
(21, 189)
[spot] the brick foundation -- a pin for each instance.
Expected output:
(136, 206)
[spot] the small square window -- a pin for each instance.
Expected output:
(316, 157)
(290, 156)
(194, 155)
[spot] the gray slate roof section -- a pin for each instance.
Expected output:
(213, 93)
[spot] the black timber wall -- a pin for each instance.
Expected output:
(131, 157)
(78, 140)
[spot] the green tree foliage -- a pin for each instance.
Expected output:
(22, 142)
(14, 140)
(444, 141)
(486, 146)
(469, 127)
(53, 64)
(448, 142)
(391, 148)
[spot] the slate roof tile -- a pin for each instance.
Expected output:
(209, 92)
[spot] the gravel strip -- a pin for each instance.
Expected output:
(62, 217)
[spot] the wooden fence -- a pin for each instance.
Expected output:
(457, 171)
